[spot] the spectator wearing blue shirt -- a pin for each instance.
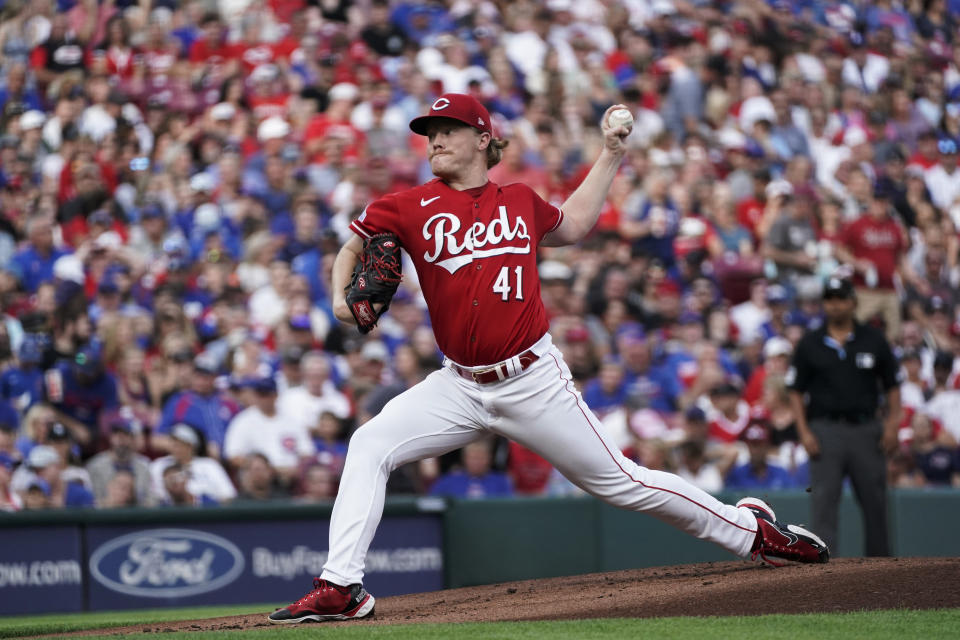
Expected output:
(306, 230)
(422, 22)
(33, 264)
(608, 391)
(758, 473)
(47, 471)
(789, 139)
(73, 484)
(655, 226)
(778, 299)
(303, 252)
(680, 362)
(275, 196)
(328, 439)
(936, 465)
(185, 34)
(646, 385)
(476, 479)
(200, 407)
(884, 15)
(80, 390)
(22, 384)
(9, 424)
(218, 237)
(17, 91)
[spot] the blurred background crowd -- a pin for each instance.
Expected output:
(177, 176)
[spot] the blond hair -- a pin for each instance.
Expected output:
(495, 151)
(30, 424)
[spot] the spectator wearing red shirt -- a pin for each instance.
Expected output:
(728, 413)
(160, 52)
(210, 52)
(926, 155)
(113, 55)
(284, 48)
(335, 123)
(252, 51)
(875, 244)
(286, 11)
(750, 211)
(776, 360)
(268, 96)
(516, 168)
(528, 471)
(557, 187)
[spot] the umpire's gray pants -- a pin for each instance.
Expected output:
(854, 451)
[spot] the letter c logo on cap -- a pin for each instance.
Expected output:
(440, 104)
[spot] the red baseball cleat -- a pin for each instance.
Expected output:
(784, 542)
(327, 601)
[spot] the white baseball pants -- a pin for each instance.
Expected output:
(540, 409)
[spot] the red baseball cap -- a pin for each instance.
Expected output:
(457, 106)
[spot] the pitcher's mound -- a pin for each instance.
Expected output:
(711, 589)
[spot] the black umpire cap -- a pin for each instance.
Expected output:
(837, 288)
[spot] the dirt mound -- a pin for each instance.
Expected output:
(711, 589)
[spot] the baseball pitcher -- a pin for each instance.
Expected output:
(474, 245)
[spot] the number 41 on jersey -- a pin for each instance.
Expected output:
(502, 285)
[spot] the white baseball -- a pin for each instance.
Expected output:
(620, 118)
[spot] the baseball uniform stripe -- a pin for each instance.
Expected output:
(360, 230)
(617, 462)
(559, 220)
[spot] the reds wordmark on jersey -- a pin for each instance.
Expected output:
(475, 252)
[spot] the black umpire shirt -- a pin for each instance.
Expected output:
(843, 381)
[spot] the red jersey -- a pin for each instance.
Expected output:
(283, 49)
(475, 253)
(253, 55)
(749, 214)
(753, 392)
(923, 161)
(881, 243)
(321, 126)
(283, 10)
(264, 107)
(530, 473)
(201, 53)
(159, 61)
(119, 61)
(723, 429)
(685, 244)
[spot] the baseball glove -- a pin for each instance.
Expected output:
(375, 280)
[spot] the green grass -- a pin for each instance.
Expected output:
(18, 626)
(875, 625)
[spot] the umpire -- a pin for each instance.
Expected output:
(840, 373)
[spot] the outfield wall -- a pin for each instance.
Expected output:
(79, 560)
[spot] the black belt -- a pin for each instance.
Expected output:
(497, 372)
(852, 418)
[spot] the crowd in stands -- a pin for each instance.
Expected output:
(176, 177)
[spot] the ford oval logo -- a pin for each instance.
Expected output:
(166, 563)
